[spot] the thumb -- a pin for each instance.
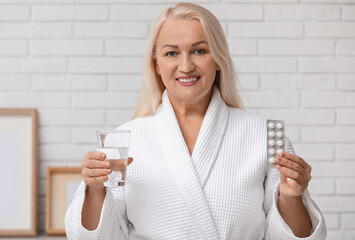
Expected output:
(130, 160)
(283, 177)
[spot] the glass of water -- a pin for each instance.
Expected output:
(115, 145)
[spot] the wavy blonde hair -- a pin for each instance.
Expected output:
(150, 95)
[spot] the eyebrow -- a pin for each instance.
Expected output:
(192, 45)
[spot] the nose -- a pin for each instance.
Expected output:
(186, 64)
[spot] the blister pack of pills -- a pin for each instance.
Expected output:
(275, 139)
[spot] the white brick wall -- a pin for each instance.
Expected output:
(310, 12)
(79, 63)
(66, 48)
(14, 13)
(13, 48)
(70, 13)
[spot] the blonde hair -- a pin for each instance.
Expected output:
(150, 95)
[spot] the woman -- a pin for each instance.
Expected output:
(200, 169)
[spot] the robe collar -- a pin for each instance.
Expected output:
(191, 172)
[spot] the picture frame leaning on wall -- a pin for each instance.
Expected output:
(62, 183)
(18, 178)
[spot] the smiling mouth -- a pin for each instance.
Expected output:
(186, 80)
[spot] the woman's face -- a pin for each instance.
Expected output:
(184, 60)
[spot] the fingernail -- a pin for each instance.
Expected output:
(107, 164)
(103, 155)
(108, 170)
(278, 160)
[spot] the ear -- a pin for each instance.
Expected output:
(218, 68)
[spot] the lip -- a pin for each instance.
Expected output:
(188, 84)
(189, 76)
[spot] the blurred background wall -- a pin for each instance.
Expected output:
(79, 63)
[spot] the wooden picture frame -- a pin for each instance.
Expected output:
(62, 183)
(18, 178)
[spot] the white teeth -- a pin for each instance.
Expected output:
(187, 80)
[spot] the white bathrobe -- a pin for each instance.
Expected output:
(225, 190)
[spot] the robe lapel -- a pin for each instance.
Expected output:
(182, 168)
(211, 136)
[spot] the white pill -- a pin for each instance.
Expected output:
(279, 134)
(272, 143)
(280, 143)
(271, 134)
(272, 151)
(279, 151)
(271, 125)
(271, 160)
(279, 125)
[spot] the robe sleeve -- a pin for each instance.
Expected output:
(113, 222)
(276, 227)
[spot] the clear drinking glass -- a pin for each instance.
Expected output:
(115, 145)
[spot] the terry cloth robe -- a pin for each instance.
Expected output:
(225, 190)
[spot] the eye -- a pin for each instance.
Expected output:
(199, 51)
(171, 54)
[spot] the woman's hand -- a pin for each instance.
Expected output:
(295, 175)
(95, 169)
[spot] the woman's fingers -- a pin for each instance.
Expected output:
(296, 159)
(295, 174)
(295, 163)
(95, 155)
(95, 176)
(95, 172)
(94, 164)
(292, 165)
(95, 169)
(88, 163)
(292, 174)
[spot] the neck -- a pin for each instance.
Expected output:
(188, 109)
